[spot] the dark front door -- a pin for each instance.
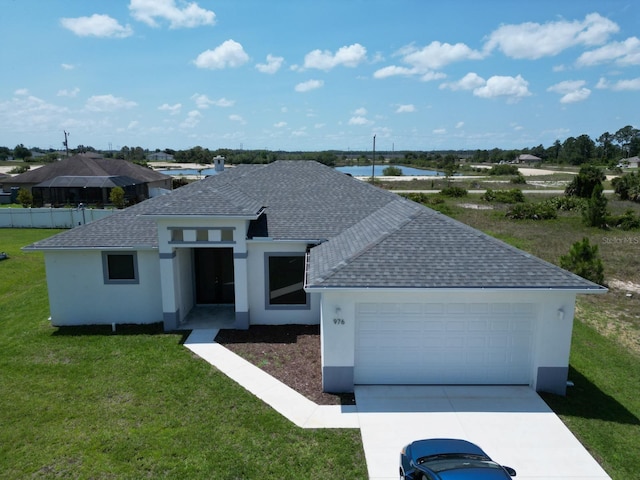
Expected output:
(214, 275)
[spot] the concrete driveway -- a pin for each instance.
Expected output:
(512, 424)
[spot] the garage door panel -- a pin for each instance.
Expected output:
(478, 343)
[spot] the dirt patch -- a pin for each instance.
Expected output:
(629, 287)
(290, 353)
(475, 206)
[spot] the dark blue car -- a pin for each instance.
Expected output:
(449, 459)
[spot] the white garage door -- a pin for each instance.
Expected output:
(438, 343)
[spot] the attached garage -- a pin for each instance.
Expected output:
(440, 343)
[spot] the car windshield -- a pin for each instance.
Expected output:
(442, 463)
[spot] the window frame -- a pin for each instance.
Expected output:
(267, 283)
(120, 281)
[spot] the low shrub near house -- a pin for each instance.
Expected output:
(627, 221)
(519, 179)
(531, 211)
(567, 204)
(455, 192)
(504, 196)
(504, 169)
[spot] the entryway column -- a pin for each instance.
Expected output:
(170, 310)
(241, 290)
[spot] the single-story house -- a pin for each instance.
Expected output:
(402, 293)
(528, 158)
(88, 178)
(160, 157)
(631, 162)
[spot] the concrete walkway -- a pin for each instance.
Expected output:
(511, 423)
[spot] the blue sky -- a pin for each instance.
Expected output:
(316, 75)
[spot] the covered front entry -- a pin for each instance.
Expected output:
(214, 276)
(443, 343)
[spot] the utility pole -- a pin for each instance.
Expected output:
(66, 142)
(373, 163)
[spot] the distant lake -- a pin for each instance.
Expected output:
(365, 171)
(189, 171)
(362, 171)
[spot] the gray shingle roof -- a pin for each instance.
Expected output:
(370, 237)
(88, 166)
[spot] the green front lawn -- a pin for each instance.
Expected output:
(84, 403)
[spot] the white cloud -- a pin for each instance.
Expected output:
(459, 124)
(350, 56)
(133, 124)
(203, 102)
(359, 120)
(24, 113)
(191, 15)
(272, 66)
(309, 85)
(280, 124)
(504, 86)
(227, 54)
(108, 103)
(21, 91)
(68, 93)
(236, 118)
(192, 120)
(67, 66)
(360, 111)
(172, 109)
(430, 76)
(96, 26)
(622, 53)
(437, 55)
(440, 131)
(571, 90)
(470, 81)
(620, 85)
(602, 83)
(533, 40)
(406, 108)
(393, 70)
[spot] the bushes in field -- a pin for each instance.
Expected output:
(532, 211)
(454, 192)
(504, 196)
(504, 169)
(627, 187)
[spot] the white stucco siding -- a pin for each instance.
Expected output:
(525, 330)
(78, 294)
(260, 313)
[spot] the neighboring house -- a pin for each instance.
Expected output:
(527, 158)
(160, 157)
(403, 294)
(631, 162)
(88, 178)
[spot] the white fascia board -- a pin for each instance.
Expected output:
(309, 289)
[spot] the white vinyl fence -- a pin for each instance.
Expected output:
(50, 217)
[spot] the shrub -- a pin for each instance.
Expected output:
(583, 184)
(628, 221)
(392, 171)
(595, 213)
(424, 198)
(583, 260)
(627, 187)
(566, 204)
(20, 169)
(504, 196)
(519, 179)
(454, 192)
(504, 169)
(532, 211)
(24, 197)
(117, 197)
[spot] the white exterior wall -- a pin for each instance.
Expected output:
(257, 283)
(552, 335)
(78, 294)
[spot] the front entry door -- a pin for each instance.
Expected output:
(214, 275)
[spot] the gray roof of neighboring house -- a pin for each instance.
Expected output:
(368, 237)
(86, 165)
(88, 182)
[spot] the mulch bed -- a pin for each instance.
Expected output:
(290, 353)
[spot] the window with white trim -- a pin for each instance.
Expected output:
(285, 281)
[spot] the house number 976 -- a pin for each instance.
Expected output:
(338, 321)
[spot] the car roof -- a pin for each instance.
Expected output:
(437, 446)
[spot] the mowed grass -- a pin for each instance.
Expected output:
(86, 403)
(603, 408)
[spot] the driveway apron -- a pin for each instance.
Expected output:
(511, 423)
